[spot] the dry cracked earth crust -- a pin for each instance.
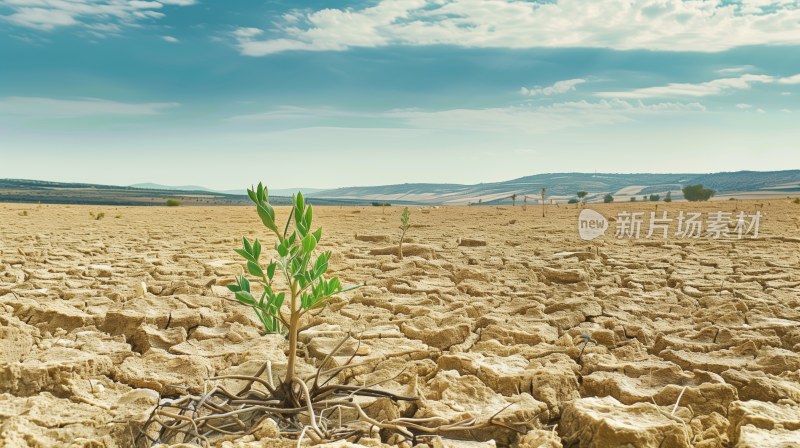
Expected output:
(491, 306)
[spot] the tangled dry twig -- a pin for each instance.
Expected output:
(219, 414)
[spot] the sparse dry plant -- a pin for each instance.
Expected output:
(405, 224)
(542, 193)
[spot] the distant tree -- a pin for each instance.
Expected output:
(581, 196)
(644, 198)
(513, 199)
(544, 190)
(668, 197)
(573, 201)
(655, 197)
(696, 193)
(525, 202)
(608, 198)
(633, 198)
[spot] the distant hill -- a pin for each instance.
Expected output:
(33, 191)
(563, 186)
(288, 192)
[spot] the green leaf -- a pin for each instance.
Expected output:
(246, 298)
(307, 218)
(282, 249)
(334, 286)
(244, 283)
(256, 250)
(267, 215)
(321, 265)
(309, 243)
(244, 254)
(234, 288)
(271, 270)
(247, 247)
(254, 269)
(252, 195)
(260, 193)
(279, 301)
(317, 234)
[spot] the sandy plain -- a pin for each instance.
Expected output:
(488, 308)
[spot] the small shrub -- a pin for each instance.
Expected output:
(173, 202)
(117, 216)
(696, 193)
(796, 200)
(608, 198)
(668, 197)
(573, 201)
(405, 224)
(100, 216)
(23, 213)
(633, 198)
(655, 197)
(381, 204)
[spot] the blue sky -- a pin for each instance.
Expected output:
(223, 93)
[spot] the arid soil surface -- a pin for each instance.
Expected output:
(592, 343)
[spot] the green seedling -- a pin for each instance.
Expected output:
(294, 262)
(405, 224)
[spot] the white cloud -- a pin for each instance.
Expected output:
(790, 80)
(666, 25)
(744, 106)
(41, 18)
(734, 70)
(37, 107)
(170, 39)
(559, 87)
(47, 15)
(515, 119)
(786, 93)
(761, 111)
(245, 33)
(714, 87)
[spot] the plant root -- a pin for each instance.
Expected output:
(303, 409)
